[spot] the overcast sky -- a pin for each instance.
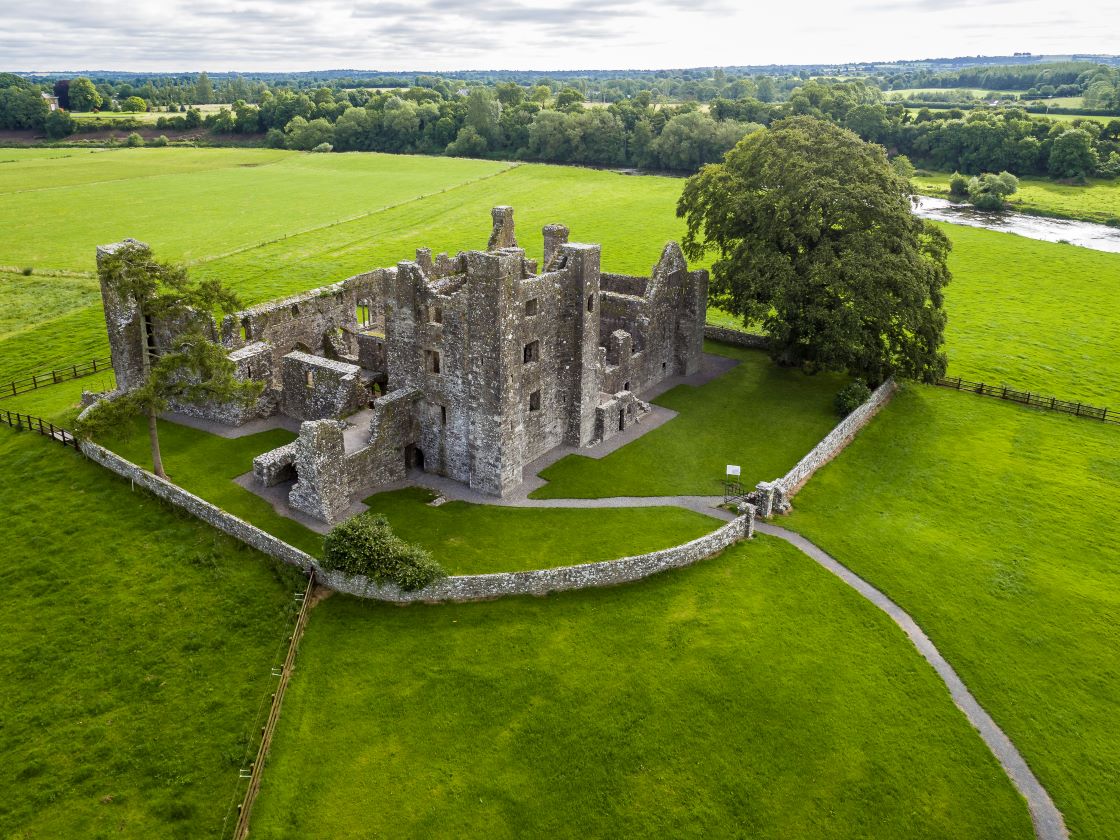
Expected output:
(445, 35)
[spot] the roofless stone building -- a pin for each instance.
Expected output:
(469, 366)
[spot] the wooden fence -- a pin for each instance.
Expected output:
(1106, 415)
(241, 831)
(53, 377)
(19, 422)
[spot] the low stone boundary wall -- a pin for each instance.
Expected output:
(835, 441)
(210, 514)
(737, 337)
(457, 588)
(544, 581)
(773, 496)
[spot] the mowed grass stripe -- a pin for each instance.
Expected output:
(632, 217)
(199, 214)
(22, 172)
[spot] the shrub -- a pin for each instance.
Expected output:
(160, 141)
(851, 397)
(958, 184)
(134, 140)
(275, 139)
(366, 545)
(28, 271)
(323, 147)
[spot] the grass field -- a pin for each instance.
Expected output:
(465, 538)
(991, 524)
(473, 539)
(137, 649)
(1033, 115)
(1099, 201)
(143, 116)
(757, 415)
(847, 709)
(751, 695)
(1037, 315)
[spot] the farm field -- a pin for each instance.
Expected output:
(137, 654)
(1097, 202)
(991, 525)
(1035, 314)
(1034, 115)
(751, 694)
(757, 415)
(142, 116)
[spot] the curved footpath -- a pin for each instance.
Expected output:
(1047, 819)
(1048, 822)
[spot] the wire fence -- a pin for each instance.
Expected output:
(54, 377)
(1078, 409)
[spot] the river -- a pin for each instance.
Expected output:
(1085, 234)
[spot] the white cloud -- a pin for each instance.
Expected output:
(442, 35)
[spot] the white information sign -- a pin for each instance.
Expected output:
(733, 469)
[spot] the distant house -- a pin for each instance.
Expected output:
(52, 101)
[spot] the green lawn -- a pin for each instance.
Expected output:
(137, 650)
(757, 415)
(473, 539)
(1098, 201)
(993, 526)
(752, 695)
(1037, 315)
(465, 538)
(226, 199)
(206, 465)
(879, 745)
(33, 300)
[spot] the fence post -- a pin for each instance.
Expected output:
(1078, 412)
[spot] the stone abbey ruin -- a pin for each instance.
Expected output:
(469, 367)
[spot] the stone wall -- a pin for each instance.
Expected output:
(774, 496)
(737, 337)
(456, 588)
(210, 514)
(835, 441)
(315, 388)
(545, 581)
(322, 488)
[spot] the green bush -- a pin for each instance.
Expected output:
(28, 271)
(134, 140)
(958, 184)
(275, 139)
(323, 147)
(851, 397)
(366, 545)
(160, 141)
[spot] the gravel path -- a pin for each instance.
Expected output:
(1048, 822)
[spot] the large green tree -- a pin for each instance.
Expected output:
(194, 369)
(83, 95)
(1072, 155)
(814, 239)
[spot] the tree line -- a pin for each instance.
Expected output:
(560, 125)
